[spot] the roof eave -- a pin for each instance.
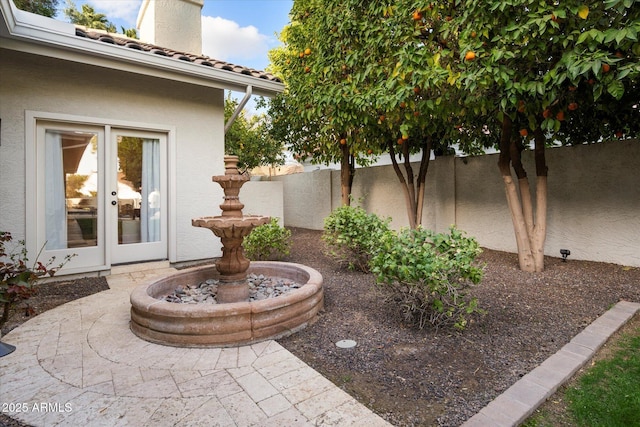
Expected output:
(39, 35)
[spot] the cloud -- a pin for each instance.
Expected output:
(227, 41)
(125, 10)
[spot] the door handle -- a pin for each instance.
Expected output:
(113, 202)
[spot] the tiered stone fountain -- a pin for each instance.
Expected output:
(234, 320)
(231, 227)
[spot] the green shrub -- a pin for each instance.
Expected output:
(352, 236)
(268, 242)
(428, 275)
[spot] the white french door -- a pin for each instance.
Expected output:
(138, 196)
(100, 194)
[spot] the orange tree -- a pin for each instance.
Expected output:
(535, 73)
(363, 79)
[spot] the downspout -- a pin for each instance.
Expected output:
(236, 113)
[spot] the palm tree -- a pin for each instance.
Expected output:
(39, 7)
(88, 17)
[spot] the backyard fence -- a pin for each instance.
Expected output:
(593, 199)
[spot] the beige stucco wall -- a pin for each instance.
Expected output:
(263, 198)
(48, 85)
(307, 198)
(593, 200)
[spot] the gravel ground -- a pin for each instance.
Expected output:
(426, 377)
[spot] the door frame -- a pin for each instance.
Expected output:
(34, 238)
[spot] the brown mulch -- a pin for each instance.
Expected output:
(426, 377)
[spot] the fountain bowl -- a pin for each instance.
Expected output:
(228, 324)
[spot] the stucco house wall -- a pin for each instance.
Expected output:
(54, 86)
(91, 82)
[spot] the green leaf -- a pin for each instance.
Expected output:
(616, 89)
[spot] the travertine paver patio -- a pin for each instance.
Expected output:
(79, 364)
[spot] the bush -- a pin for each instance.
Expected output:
(17, 279)
(352, 236)
(268, 242)
(428, 275)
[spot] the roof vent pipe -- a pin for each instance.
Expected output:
(236, 113)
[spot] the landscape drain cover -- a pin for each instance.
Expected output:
(346, 344)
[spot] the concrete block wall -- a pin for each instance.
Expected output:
(263, 198)
(593, 199)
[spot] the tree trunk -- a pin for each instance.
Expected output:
(347, 170)
(529, 226)
(422, 179)
(412, 187)
(540, 230)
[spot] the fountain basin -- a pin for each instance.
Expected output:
(229, 324)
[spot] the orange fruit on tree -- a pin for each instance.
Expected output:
(403, 104)
(524, 132)
(470, 56)
(417, 15)
(473, 34)
(546, 113)
(560, 115)
(382, 118)
(307, 51)
(619, 134)
(343, 141)
(301, 55)
(405, 136)
(307, 69)
(416, 113)
(369, 151)
(400, 141)
(573, 106)
(416, 90)
(606, 68)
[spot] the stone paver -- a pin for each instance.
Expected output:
(519, 401)
(79, 364)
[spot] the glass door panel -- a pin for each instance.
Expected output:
(71, 189)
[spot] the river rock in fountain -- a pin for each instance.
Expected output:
(260, 287)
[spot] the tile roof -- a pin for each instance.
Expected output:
(120, 40)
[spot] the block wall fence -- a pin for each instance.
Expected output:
(593, 199)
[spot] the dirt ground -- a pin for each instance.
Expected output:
(430, 377)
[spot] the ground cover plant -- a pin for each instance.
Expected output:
(429, 377)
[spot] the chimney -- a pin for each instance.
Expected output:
(174, 24)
